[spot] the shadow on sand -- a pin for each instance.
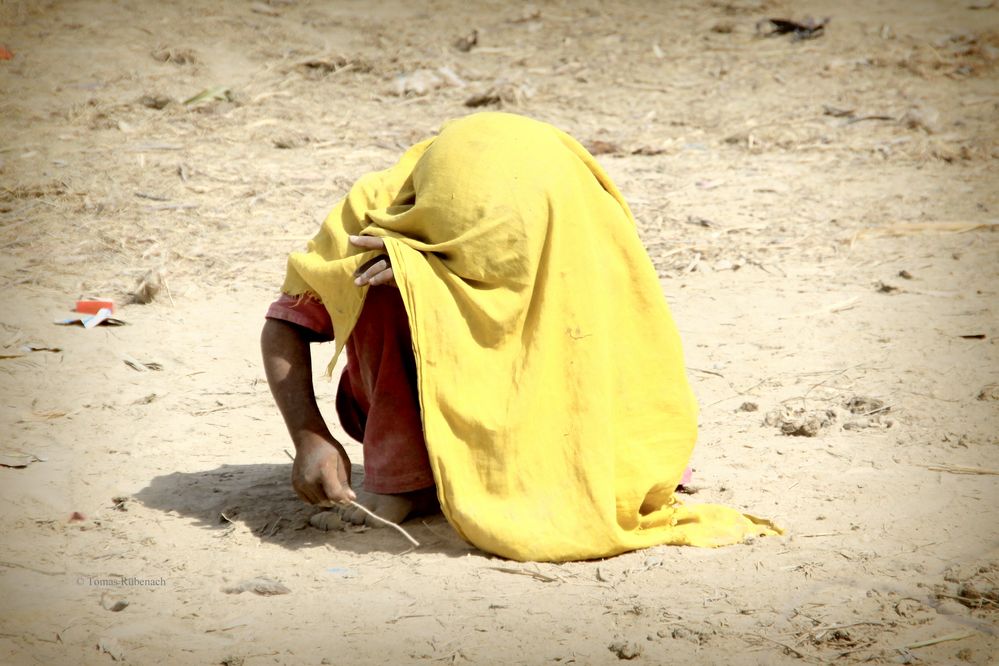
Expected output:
(261, 498)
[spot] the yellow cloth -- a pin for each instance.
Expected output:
(552, 387)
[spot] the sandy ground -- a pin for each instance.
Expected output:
(822, 214)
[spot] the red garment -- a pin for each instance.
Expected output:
(377, 399)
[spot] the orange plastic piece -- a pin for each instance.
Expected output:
(6, 54)
(92, 307)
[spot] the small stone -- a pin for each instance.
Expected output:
(625, 649)
(112, 603)
(175, 56)
(683, 633)
(157, 102)
(466, 43)
(989, 392)
(601, 147)
(884, 288)
(862, 404)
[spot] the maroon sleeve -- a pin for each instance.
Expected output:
(306, 310)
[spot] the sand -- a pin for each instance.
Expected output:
(822, 214)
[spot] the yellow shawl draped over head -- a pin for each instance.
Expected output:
(554, 399)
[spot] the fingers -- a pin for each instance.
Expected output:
(377, 271)
(339, 494)
(380, 272)
(321, 492)
(370, 271)
(367, 242)
(385, 277)
(336, 483)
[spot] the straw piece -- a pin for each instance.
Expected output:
(940, 639)
(906, 228)
(958, 469)
(537, 575)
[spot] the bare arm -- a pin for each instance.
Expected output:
(288, 364)
(321, 473)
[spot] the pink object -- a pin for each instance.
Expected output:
(688, 474)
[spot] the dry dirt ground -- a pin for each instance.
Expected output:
(822, 213)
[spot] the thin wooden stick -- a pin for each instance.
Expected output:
(907, 228)
(829, 309)
(707, 372)
(796, 652)
(387, 522)
(537, 575)
(170, 295)
(958, 469)
(979, 602)
(940, 639)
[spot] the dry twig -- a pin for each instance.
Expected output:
(958, 469)
(537, 575)
(387, 522)
(791, 650)
(940, 639)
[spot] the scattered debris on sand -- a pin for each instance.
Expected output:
(148, 287)
(974, 587)
(808, 28)
(989, 392)
(798, 422)
(625, 649)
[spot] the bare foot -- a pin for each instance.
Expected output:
(394, 508)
